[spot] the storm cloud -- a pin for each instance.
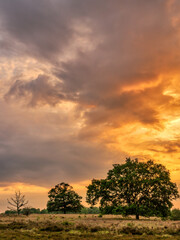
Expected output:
(134, 43)
(85, 84)
(39, 91)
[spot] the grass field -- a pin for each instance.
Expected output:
(82, 227)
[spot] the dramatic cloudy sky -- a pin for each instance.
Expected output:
(83, 85)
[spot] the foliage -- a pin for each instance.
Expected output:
(175, 214)
(35, 210)
(10, 212)
(17, 202)
(44, 211)
(134, 188)
(64, 199)
(26, 211)
(91, 210)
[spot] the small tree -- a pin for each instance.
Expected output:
(62, 198)
(134, 188)
(17, 202)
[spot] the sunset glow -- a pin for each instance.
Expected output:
(83, 86)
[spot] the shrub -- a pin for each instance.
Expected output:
(52, 228)
(91, 210)
(131, 230)
(3, 226)
(175, 214)
(173, 231)
(66, 223)
(82, 227)
(96, 229)
(44, 211)
(26, 211)
(10, 212)
(17, 225)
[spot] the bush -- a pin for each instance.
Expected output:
(81, 227)
(134, 230)
(50, 227)
(175, 214)
(66, 223)
(95, 229)
(26, 211)
(91, 210)
(10, 212)
(17, 225)
(35, 210)
(44, 211)
(131, 230)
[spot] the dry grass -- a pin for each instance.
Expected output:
(75, 226)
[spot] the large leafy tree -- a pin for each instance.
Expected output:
(62, 198)
(134, 188)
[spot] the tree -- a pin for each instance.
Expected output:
(134, 188)
(63, 199)
(17, 202)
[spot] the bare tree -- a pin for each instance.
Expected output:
(17, 202)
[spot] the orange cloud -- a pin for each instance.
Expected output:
(85, 87)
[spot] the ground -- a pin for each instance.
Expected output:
(86, 227)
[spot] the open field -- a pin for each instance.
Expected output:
(82, 227)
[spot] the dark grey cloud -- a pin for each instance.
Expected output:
(37, 92)
(133, 42)
(41, 28)
(46, 162)
(39, 151)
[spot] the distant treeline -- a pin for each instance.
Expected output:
(31, 211)
(174, 215)
(28, 211)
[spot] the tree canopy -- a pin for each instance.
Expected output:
(62, 198)
(134, 188)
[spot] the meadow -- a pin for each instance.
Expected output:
(84, 227)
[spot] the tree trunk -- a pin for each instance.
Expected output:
(64, 211)
(137, 216)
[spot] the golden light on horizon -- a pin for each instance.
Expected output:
(11, 188)
(85, 87)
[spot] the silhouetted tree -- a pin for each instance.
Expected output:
(134, 188)
(17, 202)
(63, 198)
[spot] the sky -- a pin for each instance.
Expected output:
(83, 85)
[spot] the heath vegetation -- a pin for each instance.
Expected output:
(70, 226)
